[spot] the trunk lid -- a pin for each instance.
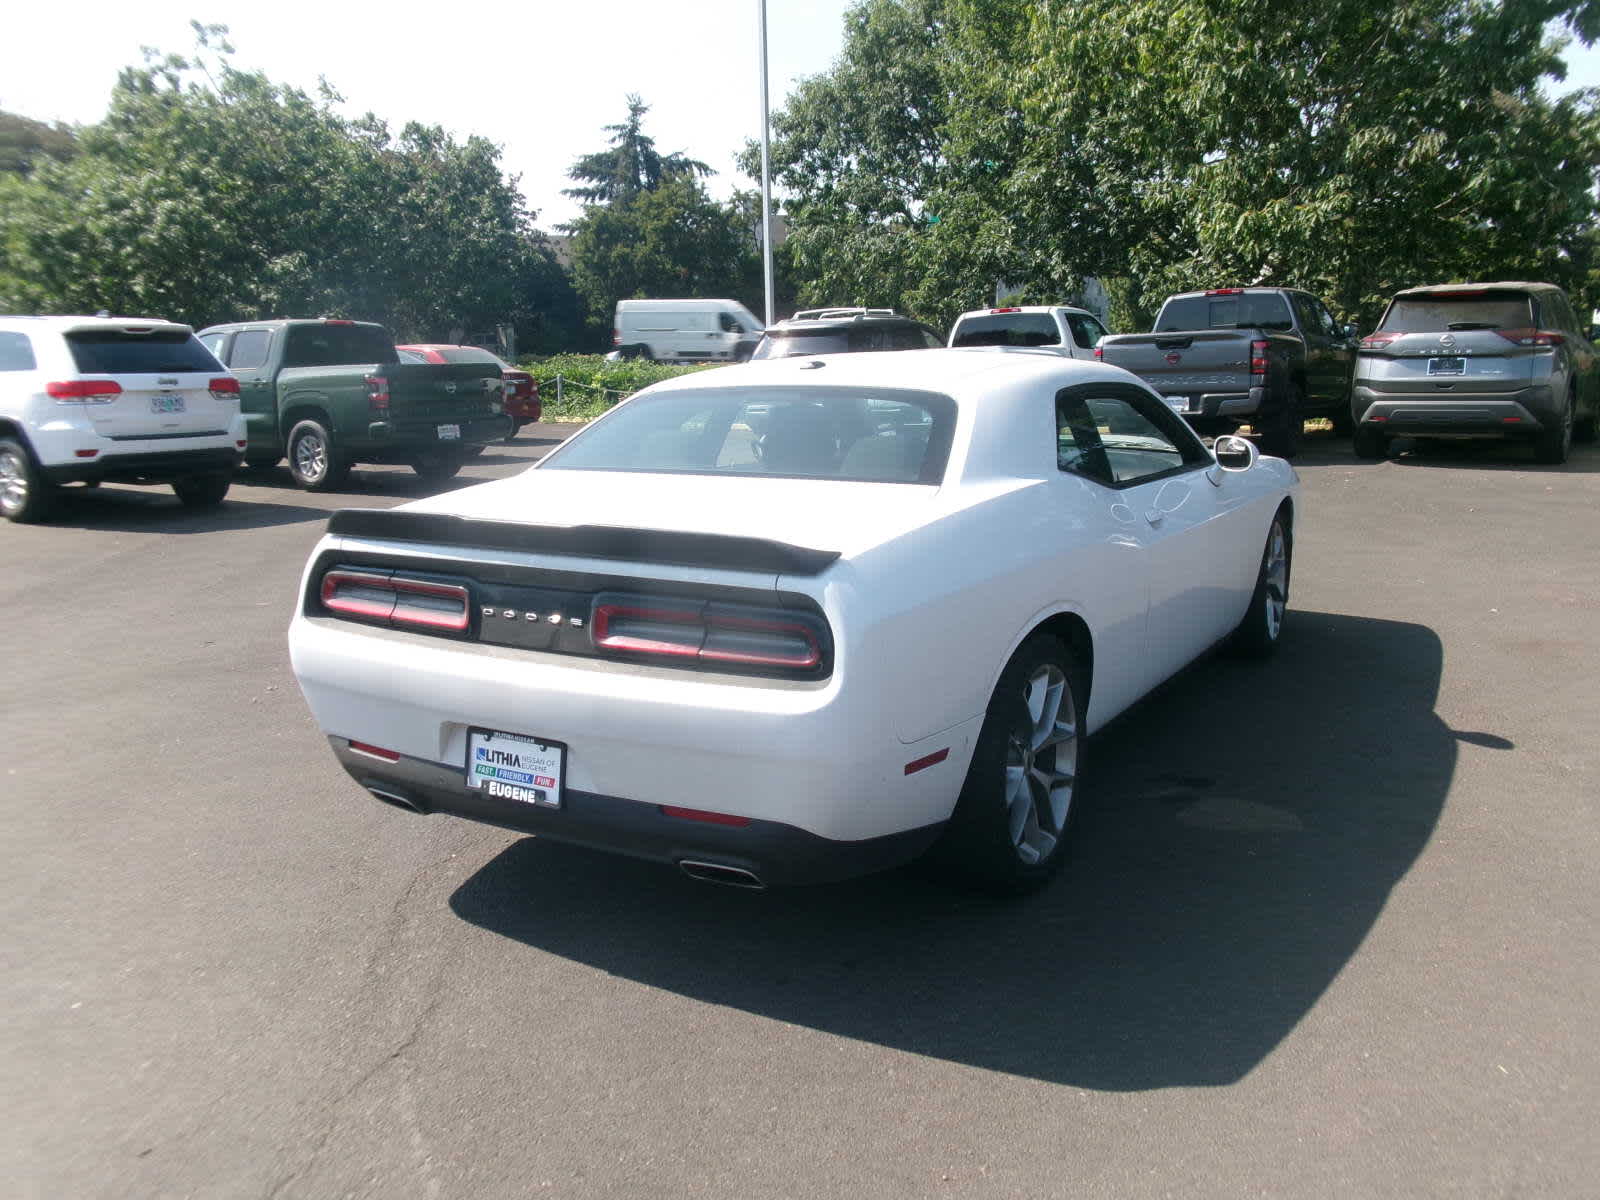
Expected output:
(164, 374)
(442, 391)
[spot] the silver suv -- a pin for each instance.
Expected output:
(97, 399)
(1477, 360)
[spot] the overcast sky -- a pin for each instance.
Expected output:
(540, 78)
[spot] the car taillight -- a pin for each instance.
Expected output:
(1226, 292)
(84, 391)
(1099, 353)
(1531, 337)
(1377, 341)
(616, 337)
(1258, 357)
(378, 395)
(224, 388)
(1004, 310)
(396, 600)
(707, 633)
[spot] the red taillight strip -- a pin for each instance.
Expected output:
(395, 610)
(605, 614)
(357, 606)
(1531, 337)
(697, 814)
(375, 751)
(82, 389)
(1258, 357)
(1377, 341)
(927, 760)
(224, 385)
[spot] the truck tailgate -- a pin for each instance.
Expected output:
(442, 391)
(1184, 363)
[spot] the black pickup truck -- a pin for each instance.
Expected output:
(1270, 357)
(332, 393)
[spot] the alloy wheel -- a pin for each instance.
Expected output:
(1041, 765)
(1275, 575)
(13, 481)
(310, 456)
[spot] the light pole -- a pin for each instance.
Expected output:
(766, 173)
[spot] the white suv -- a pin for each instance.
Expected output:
(1069, 332)
(92, 399)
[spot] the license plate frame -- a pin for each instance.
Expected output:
(449, 433)
(1447, 366)
(521, 769)
(168, 402)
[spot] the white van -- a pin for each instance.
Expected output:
(685, 330)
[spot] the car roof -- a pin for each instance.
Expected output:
(277, 322)
(67, 324)
(1007, 309)
(958, 373)
(1444, 289)
(853, 321)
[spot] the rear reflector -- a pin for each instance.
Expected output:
(927, 760)
(72, 391)
(375, 751)
(1511, 420)
(396, 600)
(241, 443)
(710, 818)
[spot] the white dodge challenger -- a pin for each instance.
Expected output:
(801, 619)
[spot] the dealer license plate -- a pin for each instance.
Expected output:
(1178, 403)
(166, 403)
(449, 433)
(1447, 366)
(515, 767)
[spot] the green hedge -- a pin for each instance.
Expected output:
(584, 376)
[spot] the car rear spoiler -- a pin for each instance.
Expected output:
(668, 547)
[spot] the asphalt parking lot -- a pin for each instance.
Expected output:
(1331, 927)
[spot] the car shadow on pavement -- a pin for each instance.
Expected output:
(400, 482)
(1488, 455)
(1242, 831)
(157, 510)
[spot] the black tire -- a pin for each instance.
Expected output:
(202, 491)
(1344, 421)
(1011, 830)
(1370, 443)
(516, 428)
(26, 496)
(314, 459)
(1280, 431)
(1257, 635)
(1584, 429)
(1554, 443)
(436, 468)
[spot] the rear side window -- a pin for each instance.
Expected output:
(1463, 310)
(1086, 331)
(117, 352)
(338, 345)
(1008, 329)
(469, 354)
(249, 349)
(16, 352)
(1115, 435)
(1252, 310)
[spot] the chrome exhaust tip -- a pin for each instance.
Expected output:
(395, 798)
(721, 873)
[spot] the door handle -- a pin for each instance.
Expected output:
(1154, 517)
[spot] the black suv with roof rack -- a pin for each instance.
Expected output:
(845, 331)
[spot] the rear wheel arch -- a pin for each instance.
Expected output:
(1072, 629)
(304, 412)
(10, 429)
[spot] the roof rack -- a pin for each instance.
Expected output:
(828, 314)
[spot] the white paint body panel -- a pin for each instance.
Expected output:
(934, 589)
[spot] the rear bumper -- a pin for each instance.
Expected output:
(775, 853)
(154, 467)
(387, 441)
(1505, 414)
(1221, 404)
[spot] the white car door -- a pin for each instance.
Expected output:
(1154, 473)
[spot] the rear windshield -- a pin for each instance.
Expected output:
(1253, 310)
(788, 343)
(1008, 329)
(470, 354)
(114, 352)
(338, 345)
(1435, 314)
(873, 436)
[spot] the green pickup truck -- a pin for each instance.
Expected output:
(332, 393)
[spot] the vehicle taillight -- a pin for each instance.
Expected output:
(396, 600)
(709, 633)
(616, 337)
(1226, 292)
(224, 388)
(1099, 352)
(1004, 310)
(378, 395)
(1531, 337)
(1377, 341)
(1258, 358)
(84, 391)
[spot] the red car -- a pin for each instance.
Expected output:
(521, 389)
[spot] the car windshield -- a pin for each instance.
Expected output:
(1008, 329)
(1246, 310)
(789, 343)
(866, 435)
(469, 354)
(115, 352)
(1473, 310)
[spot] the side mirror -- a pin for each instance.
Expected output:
(1235, 453)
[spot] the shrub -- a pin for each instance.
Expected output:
(590, 384)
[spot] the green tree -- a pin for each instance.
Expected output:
(631, 165)
(23, 140)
